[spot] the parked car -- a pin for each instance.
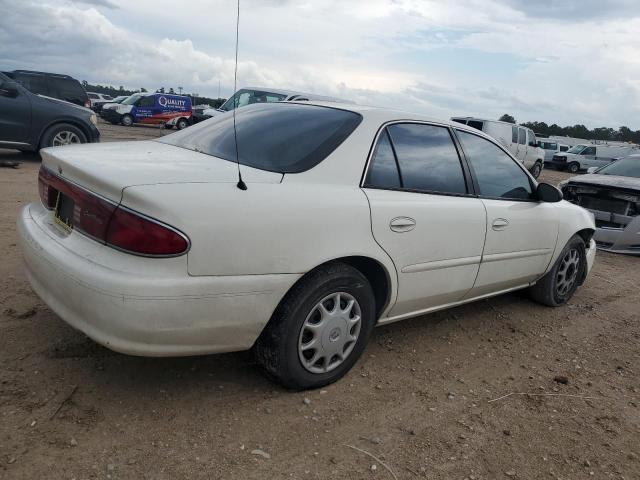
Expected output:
(116, 101)
(582, 157)
(98, 100)
(352, 217)
(29, 122)
(52, 85)
(251, 95)
(612, 194)
(551, 147)
(519, 140)
(151, 109)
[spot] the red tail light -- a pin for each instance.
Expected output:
(87, 103)
(109, 223)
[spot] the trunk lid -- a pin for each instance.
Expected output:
(108, 168)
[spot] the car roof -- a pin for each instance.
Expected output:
(386, 115)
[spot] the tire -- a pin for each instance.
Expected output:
(127, 120)
(62, 134)
(555, 289)
(182, 124)
(279, 349)
(536, 170)
(573, 167)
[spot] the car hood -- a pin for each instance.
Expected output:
(629, 183)
(67, 104)
(108, 168)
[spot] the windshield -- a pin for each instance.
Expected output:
(132, 99)
(627, 167)
(248, 97)
(278, 137)
(577, 149)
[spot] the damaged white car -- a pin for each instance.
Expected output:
(352, 217)
(612, 194)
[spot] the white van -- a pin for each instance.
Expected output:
(584, 156)
(551, 147)
(519, 140)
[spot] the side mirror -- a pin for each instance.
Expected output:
(9, 89)
(592, 169)
(548, 193)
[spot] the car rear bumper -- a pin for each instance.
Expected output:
(136, 309)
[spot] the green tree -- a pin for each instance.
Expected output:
(507, 118)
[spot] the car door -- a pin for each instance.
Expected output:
(145, 109)
(588, 158)
(521, 232)
(424, 215)
(15, 114)
(522, 144)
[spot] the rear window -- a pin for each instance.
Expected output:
(278, 137)
(68, 89)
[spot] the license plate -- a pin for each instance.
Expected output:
(63, 212)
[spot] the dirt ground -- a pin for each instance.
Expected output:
(427, 399)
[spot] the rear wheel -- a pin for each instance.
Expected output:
(62, 134)
(573, 167)
(182, 124)
(320, 328)
(127, 120)
(562, 281)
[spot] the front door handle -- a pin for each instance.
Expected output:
(402, 224)
(500, 224)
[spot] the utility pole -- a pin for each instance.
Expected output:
(180, 88)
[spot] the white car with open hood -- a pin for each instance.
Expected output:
(353, 217)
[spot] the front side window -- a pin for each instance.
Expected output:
(427, 158)
(278, 137)
(514, 134)
(497, 174)
(383, 170)
(577, 149)
(146, 102)
(132, 99)
(589, 151)
(533, 142)
(522, 136)
(34, 83)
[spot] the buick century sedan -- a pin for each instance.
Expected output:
(352, 217)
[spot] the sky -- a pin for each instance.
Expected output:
(564, 62)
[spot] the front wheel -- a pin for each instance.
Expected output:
(62, 134)
(320, 328)
(182, 124)
(573, 167)
(558, 286)
(536, 169)
(127, 120)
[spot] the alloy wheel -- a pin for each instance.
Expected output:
(65, 137)
(567, 274)
(329, 332)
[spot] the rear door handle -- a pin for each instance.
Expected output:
(402, 224)
(500, 224)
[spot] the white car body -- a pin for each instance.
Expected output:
(248, 248)
(520, 141)
(99, 98)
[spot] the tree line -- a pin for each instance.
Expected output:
(622, 134)
(119, 91)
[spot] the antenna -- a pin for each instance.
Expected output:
(241, 185)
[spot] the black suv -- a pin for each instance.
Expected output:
(53, 85)
(30, 122)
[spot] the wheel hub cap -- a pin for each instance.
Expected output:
(65, 138)
(329, 333)
(568, 272)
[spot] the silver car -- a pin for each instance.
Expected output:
(612, 194)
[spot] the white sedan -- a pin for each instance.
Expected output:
(352, 217)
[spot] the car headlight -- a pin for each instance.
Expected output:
(93, 119)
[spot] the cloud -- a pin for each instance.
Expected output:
(576, 10)
(473, 57)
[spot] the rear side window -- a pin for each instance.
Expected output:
(278, 137)
(514, 134)
(383, 170)
(68, 89)
(34, 83)
(475, 124)
(564, 148)
(427, 158)
(497, 174)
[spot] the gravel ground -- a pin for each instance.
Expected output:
(421, 400)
